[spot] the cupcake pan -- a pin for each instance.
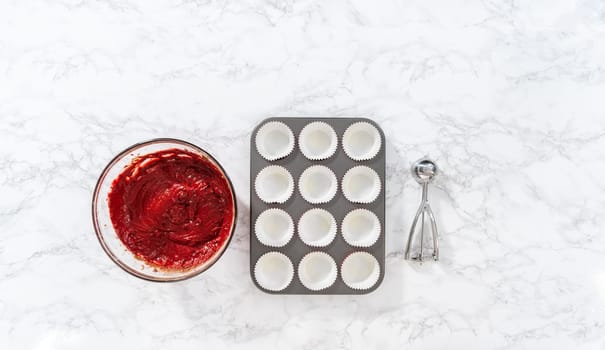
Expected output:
(339, 206)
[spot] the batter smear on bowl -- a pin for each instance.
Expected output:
(172, 209)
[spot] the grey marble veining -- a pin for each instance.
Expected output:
(507, 97)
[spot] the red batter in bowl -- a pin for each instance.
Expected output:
(172, 208)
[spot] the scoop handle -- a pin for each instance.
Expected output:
(423, 210)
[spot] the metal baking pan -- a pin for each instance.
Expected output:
(339, 206)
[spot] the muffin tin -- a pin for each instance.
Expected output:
(317, 205)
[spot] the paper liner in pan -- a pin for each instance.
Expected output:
(361, 141)
(360, 228)
(317, 271)
(318, 184)
(318, 141)
(274, 140)
(361, 184)
(274, 271)
(360, 270)
(274, 227)
(274, 184)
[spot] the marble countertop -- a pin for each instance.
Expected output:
(507, 96)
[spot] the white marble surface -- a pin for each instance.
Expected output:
(507, 96)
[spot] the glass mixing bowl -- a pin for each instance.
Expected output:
(108, 237)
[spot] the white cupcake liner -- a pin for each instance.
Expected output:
(360, 228)
(317, 141)
(361, 141)
(274, 271)
(274, 227)
(274, 184)
(317, 271)
(274, 140)
(318, 184)
(317, 227)
(360, 270)
(361, 184)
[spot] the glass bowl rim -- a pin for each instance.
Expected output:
(95, 199)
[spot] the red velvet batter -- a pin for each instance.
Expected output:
(173, 208)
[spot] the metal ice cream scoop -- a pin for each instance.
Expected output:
(424, 171)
